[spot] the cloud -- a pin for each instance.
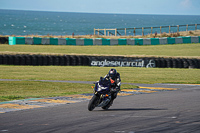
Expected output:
(186, 3)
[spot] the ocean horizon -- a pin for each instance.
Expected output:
(24, 22)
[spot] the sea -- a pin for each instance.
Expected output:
(20, 22)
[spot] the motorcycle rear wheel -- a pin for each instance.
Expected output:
(93, 102)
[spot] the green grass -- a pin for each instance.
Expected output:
(185, 50)
(10, 90)
(13, 90)
(80, 73)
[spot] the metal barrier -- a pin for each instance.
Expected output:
(102, 41)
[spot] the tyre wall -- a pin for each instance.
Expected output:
(101, 61)
(3, 40)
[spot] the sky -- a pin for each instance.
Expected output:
(166, 7)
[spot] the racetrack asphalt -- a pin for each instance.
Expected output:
(167, 111)
(31, 103)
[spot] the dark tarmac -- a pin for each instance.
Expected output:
(164, 111)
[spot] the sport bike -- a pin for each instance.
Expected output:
(102, 94)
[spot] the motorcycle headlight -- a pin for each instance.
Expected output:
(101, 88)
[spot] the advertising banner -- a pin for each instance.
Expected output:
(120, 62)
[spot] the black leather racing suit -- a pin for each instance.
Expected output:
(115, 87)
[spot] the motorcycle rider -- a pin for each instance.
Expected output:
(115, 87)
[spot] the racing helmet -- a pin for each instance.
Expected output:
(112, 73)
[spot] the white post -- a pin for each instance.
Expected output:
(116, 32)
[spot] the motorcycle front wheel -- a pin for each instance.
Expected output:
(108, 105)
(93, 102)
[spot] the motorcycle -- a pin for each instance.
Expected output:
(102, 95)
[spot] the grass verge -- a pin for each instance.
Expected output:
(11, 90)
(84, 73)
(178, 50)
(14, 90)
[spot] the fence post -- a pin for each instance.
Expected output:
(177, 28)
(125, 31)
(187, 27)
(169, 29)
(116, 32)
(195, 27)
(160, 29)
(104, 32)
(134, 31)
(151, 30)
(98, 32)
(142, 31)
(94, 31)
